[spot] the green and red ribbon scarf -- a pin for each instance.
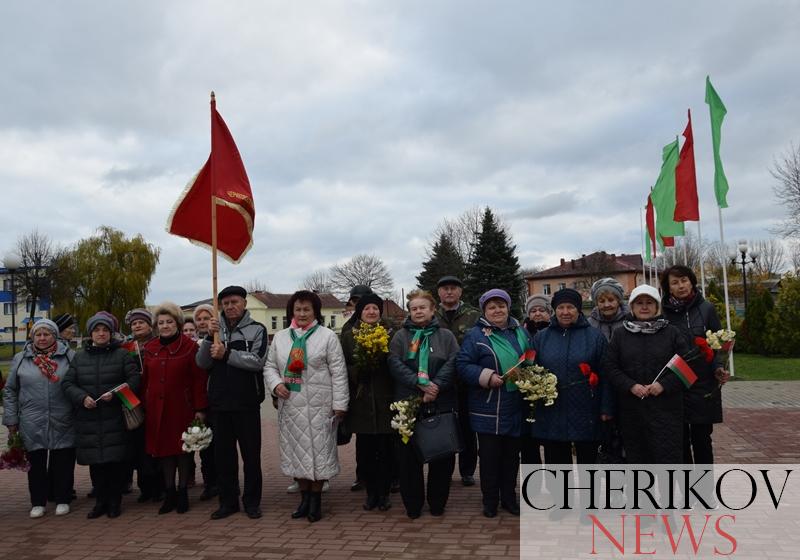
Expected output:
(293, 372)
(507, 355)
(420, 346)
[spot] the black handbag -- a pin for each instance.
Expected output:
(436, 435)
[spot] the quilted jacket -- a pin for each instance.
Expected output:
(306, 432)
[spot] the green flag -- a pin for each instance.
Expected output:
(664, 194)
(718, 112)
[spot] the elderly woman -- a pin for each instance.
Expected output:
(492, 348)
(36, 408)
(537, 313)
(609, 308)
(686, 308)
(573, 351)
(650, 398)
(103, 442)
(306, 370)
(422, 363)
(174, 390)
(371, 389)
(202, 315)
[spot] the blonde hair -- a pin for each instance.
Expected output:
(420, 294)
(171, 309)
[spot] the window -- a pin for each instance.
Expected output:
(562, 285)
(333, 321)
(7, 285)
(28, 306)
(7, 309)
(285, 322)
(274, 323)
(546, 289)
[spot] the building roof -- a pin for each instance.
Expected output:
(594, 264)
(279, 301)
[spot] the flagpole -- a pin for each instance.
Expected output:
(702, 259)
(214, 290)
(725, 282)
(641, 234)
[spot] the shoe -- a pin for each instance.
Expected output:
(182, 503)
(170, 501)
(302, 509)
(468, 480)
(208, 493)
(315, 507)
(37, 511)
(356, 486)
(437, 512)
(224, 512)
(62, 509)
(253, 512)
(395, 488)
(326, 486)
(293, 488)
(97, 511)
(384, 503)
(114, 511)
(371, 502)
(512, 508)
(413, 514)
(489, 512)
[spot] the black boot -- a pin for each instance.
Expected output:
(170, 501)
(182, 502)
(315, 507)
(302, 509)
(371, 502)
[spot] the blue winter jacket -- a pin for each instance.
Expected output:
(575, 415)
(491, 411)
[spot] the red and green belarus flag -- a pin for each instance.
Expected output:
(128, 397)
(679, 367)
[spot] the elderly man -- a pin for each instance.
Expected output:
(235, 393)
(459, 317)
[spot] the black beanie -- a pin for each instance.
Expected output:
(366, 300)
(567, 295)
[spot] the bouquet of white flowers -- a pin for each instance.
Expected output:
(406, 416)
(536, 383)
(197, 437)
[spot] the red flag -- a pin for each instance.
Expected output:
(223, 179)
(686, 206)
(650, 218)
(668, 241)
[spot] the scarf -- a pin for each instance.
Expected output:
(679, 304)
(44, 361)
(420, 347)
(646, 327)
(293, 372)
(507, 355)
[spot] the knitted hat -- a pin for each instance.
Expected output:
(494, 293)
(45, 324)
(567, 295)
(646, 290)
(366, 300)
(203, 307)
(112, 318)
(232, 291)
(101, 318)
(64, 321)
(609, 285)
(538, 300)
(138, 314)
(449, 281)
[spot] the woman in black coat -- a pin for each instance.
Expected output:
(686, 308)
(419, 341)
(103, 442)
(650, 400)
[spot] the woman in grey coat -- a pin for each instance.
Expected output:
(103, 442)
(37, 409)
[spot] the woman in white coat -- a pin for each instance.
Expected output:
(306, 370)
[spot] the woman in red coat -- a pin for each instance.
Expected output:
(174, 390)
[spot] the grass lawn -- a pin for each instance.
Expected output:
(754, 367)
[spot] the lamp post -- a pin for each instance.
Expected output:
(12, 263)
(742, 259)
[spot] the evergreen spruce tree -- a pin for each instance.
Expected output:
(494, 264)
(443, 260)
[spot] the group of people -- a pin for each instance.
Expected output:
(455, 357)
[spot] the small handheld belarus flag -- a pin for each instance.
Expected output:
(680, 368)
(127, 396)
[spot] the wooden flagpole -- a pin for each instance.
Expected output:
(214, 290)
(725, 281)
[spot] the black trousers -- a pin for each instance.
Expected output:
(530, 450)
(361, 458)
(51, 470)
(698, 448)
(109, 481)
(242, 427)
(208, 465)
(468, 457)
(412, 481)
(499, 468)
(560, 452)
(376, 462)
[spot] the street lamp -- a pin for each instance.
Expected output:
(12, 263)
(742, 259)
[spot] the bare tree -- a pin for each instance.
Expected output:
(318, 281)
(771, 257)
(367, 270)
(695, 252)
(256, 285)
(37, 255)
(462, 231)
(786, 171)
(794, 256)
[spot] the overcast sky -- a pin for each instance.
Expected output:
(363, 124)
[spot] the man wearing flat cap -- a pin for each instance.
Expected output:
(235, 393)
(459, 317)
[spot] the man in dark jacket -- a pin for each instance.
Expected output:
(234, 353)
(458, 317)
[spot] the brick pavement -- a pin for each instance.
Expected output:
(760, 427)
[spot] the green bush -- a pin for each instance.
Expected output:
(753, 338)
(783, 322)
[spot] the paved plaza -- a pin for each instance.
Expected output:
(761, 420)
